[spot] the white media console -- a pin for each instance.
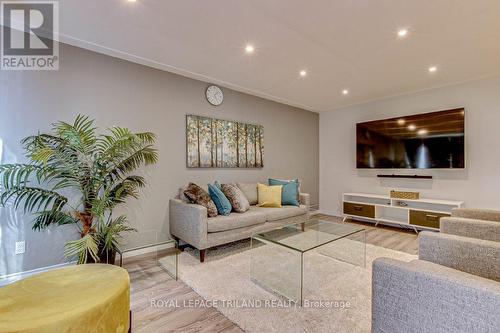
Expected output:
(416, 214)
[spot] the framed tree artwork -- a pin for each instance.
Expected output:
(216, 143)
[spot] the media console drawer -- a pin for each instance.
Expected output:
(359, 210)
(426, 219)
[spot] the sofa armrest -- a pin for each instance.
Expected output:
(471, 255)
(478, 214)
(305, 199)
(188, 222)
(487, 230)
(421, 296)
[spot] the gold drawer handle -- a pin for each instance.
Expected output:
(431, 217)
(358, 208)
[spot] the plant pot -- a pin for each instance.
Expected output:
(105, 257)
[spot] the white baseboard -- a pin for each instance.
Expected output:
(10, 278)
(146, 250)
(329, 212)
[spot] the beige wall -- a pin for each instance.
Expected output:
(116, 92)
(477, 185)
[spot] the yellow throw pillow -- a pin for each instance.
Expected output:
(269, 196)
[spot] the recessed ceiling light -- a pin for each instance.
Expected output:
(422, 132)
(131, 0)
(401, 121)
(303, 73)
(249, 48)
(432, 69)
(345, 92)
(412, 127)
(402, 33)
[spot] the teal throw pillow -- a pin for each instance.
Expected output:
(289, 192)
(221, 202)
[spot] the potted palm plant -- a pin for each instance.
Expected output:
(73, 159)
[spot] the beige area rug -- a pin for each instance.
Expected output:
(225, 275)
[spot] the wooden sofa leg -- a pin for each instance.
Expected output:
(202, 255)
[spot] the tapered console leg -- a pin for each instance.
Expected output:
(202, 255)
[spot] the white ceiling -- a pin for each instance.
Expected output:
(342, 44)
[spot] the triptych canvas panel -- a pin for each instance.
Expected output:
(216, 143)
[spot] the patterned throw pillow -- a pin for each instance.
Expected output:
(236, 198)
(199, 196)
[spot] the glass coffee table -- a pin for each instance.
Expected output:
(165, 249)
(279, 257)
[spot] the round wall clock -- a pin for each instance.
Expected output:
(214, 95)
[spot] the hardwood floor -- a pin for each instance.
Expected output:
(394, 238)
(150, 282)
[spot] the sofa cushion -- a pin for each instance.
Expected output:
(250, 191)
(275, 214)
(235, 221)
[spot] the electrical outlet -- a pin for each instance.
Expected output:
(20, 247)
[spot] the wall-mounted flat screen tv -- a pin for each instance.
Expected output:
(434, 140)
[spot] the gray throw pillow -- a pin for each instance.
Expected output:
(250, 192)
(181, 196)
(199, 196)
(237, 199)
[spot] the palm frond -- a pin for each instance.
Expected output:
(82, 248)
(47, 217)
(56, 154)
(121, 143)
(80, 134)
(113, 143)
(35, 142)
(20, 174)
(33, 198)
(111, 197)
(111, 233)
(147, 137)
(145, 155)
(127, 188)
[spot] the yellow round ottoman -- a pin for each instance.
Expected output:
(83, 298)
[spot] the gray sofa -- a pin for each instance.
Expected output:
(454, 286)
(189, 222)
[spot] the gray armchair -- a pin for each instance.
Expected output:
(474, 223)
(453, 287)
